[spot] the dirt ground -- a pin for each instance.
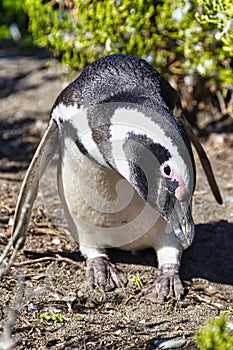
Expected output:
(45, 301)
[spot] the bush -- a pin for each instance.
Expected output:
(184, 37)
(13, 18)
(218, 15)
(215, 336)
(89, 29)
(198, 39)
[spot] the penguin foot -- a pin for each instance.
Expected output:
(167, 284)
(101, 273)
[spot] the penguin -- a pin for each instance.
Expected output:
(126, 172)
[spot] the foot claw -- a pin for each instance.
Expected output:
(168, 284)
(101, 273)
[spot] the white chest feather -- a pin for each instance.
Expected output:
(105, 208)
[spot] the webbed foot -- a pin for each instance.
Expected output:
(167, 284)
(101, 273)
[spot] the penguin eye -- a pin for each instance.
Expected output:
(167, 170)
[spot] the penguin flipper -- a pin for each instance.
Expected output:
(203, 158)
(29, 188)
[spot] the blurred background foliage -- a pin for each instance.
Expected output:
(184, 37)
(216, 334)
(189, 41)
(14, 24)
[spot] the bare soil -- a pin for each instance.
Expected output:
(45, 301)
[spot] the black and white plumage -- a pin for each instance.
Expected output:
(126, 171)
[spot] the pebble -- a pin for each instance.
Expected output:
(11, 221)
(80, 293)
(56, 241)
(170, 344)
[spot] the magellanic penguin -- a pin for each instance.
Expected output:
(126, 170)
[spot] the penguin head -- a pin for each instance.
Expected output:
(159, 164)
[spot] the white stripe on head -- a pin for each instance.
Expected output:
(79, 120)
(125, 120)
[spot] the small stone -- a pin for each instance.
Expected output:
(80, 293)
(56, 241)
(11, 221)
(142, 322)
(171, 343)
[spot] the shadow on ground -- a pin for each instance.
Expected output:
(210, 256)
(18, 141)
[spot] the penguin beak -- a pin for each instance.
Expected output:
(177, 213)
(181, 221)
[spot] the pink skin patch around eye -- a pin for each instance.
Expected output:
(181, 192)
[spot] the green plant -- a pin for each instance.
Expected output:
(215, 335)
(92, 28)
(220, 14)
(57, 318)
(182, 37)
(195, 38)
(12, 13)
(138, 281)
